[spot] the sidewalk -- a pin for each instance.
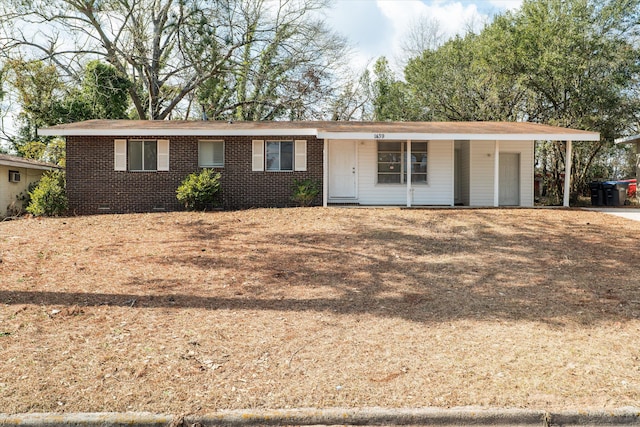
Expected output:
(336, 416)
(629, 213)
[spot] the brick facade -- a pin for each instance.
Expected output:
(93, 186)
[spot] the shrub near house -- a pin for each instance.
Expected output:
(198, 191)
(305, 191)
(49, 197)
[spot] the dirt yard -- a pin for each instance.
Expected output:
(280, 308)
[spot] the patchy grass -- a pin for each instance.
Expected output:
(196, 312)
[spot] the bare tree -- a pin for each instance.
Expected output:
(287, 68)
(354, 100)
(424, 33)
(166, 48)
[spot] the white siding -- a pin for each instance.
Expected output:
(476, 174)
(438, 191)
(527, 161)
(481, 176)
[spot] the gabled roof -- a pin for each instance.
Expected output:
(325, 130)
(21, 162)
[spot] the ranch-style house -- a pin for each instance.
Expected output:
(117, 166)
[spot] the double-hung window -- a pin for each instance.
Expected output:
(210, 154)
(139, 155)
(279, 155)
(143, 155)
(394, 162)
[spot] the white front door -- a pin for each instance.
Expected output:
(342, 170)
(509, 179)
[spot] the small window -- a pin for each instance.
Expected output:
(210, 154)
(143, 155)
(279, 155)
(391, 167)
(14, 176)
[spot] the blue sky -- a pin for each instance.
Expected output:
(377, 27)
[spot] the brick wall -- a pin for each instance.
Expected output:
(94, 187)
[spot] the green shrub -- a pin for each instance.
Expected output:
(198, 190)
(49, 197)
(305, 191)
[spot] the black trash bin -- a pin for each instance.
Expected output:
(614, 194)
(597, 196)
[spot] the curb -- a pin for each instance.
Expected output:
(375, 416)
(467, 416)
(137, 419)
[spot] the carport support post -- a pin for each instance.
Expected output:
(496, 174)
(325, 174)
(409, 167)
(567, 173)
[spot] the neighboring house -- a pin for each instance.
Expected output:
(136, 166)
(635, 139)
(16, 173)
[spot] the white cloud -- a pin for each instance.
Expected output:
(364, 24)
(377, 28)
(453, 18)
(506, 4)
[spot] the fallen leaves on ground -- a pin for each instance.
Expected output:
(281, 308)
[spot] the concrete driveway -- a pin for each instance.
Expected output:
(629, 213)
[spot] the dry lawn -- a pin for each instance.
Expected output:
(281, 308)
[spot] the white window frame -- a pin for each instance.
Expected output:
(14, 176)
(259, 155)
(121, 160)
(143, 144)
(293, 155)
(403, 163)
(213, 164)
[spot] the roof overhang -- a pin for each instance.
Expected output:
(460, 136)
(26, 165)
(487, 131)
(175, 132)
(633, 139)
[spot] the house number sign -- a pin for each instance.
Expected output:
(378, 136)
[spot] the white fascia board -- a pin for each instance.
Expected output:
(177, 132)
(628, 139)
(454, 136)
(22, 165)
(315, 132)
